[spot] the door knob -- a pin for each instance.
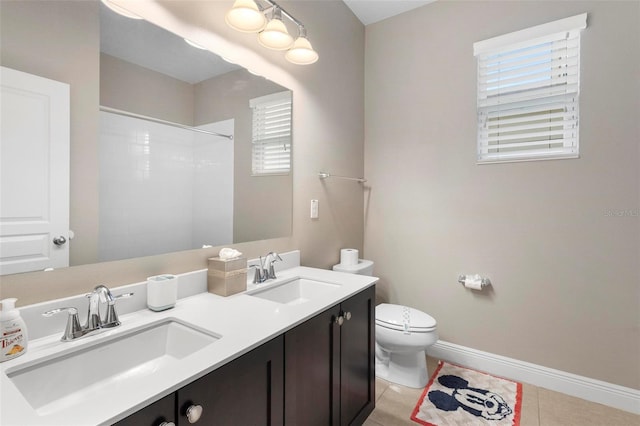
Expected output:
(59, 241)
(193, 413)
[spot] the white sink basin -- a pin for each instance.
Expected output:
(296, 291)
(68, 378)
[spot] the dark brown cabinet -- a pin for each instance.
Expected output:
(162, 412)
(247, 391)
(329, 365)
(321, 372)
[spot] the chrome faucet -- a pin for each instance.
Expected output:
(263, 274)
(101, 294)
(95, 321)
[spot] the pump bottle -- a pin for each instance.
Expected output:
(13, 331)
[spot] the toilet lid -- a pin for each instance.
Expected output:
(404, 318)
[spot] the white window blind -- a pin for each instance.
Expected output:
(271, 147)
(528, 93)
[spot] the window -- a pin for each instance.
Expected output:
(528, 90)
(271, 147)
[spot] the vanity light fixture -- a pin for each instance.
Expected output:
(301, 52)
(272, 34)
(275, 35)
(246, 17)
(120, 10)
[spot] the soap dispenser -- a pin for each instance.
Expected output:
(13, 331)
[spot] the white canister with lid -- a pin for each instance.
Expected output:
(162, 292)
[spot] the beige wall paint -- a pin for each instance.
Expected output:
(129, 87)
(328, 133)
(566, 276)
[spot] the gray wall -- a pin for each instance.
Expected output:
(566, 275)
(328, 128)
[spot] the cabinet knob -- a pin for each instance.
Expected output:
(167, 424)
(340, 320)
(347, 316)
(193, 413)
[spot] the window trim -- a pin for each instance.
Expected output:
(512, 105)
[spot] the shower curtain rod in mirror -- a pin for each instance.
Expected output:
(157, 120)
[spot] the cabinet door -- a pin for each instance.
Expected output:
(247, 391)
(312, 351)
(155, 414)
(357, 350)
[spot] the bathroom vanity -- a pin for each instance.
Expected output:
(295, 350)
(321, 372)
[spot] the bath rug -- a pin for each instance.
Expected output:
(458, 396)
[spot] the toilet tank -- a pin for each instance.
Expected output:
(363, 267)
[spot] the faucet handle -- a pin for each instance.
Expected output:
(73, 330)
(259, 275)
(111, 320)
(274, 258)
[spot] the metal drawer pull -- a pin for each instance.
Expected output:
(193, 413)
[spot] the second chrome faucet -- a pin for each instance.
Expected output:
(95, 321)
(266, 271)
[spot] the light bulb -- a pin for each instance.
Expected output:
(301, 52)
(245, 17)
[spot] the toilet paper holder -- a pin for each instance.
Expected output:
(484, 282)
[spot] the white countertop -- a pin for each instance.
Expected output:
(243, 321)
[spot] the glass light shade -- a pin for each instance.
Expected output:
(245, 17)
(120, 10)
(301, 52)
(275, 36)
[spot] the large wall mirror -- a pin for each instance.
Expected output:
(175, 145)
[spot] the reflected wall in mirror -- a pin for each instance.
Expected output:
(163, 188)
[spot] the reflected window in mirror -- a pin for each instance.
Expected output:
(271, 134)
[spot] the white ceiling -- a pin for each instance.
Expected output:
(371, 11)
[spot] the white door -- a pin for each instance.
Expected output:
(34, 172)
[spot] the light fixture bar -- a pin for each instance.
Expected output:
(284, 12)
(250, 16)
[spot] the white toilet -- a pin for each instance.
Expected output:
(402, 336)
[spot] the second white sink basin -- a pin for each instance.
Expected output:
(296, 291)
(109, 365)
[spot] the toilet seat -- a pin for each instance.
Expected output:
(403, 318)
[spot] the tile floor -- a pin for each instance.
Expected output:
(540, 407)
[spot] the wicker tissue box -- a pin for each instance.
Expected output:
(227, 277)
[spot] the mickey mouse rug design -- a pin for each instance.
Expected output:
(459, 396)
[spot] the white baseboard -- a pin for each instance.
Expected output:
(616, 396)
